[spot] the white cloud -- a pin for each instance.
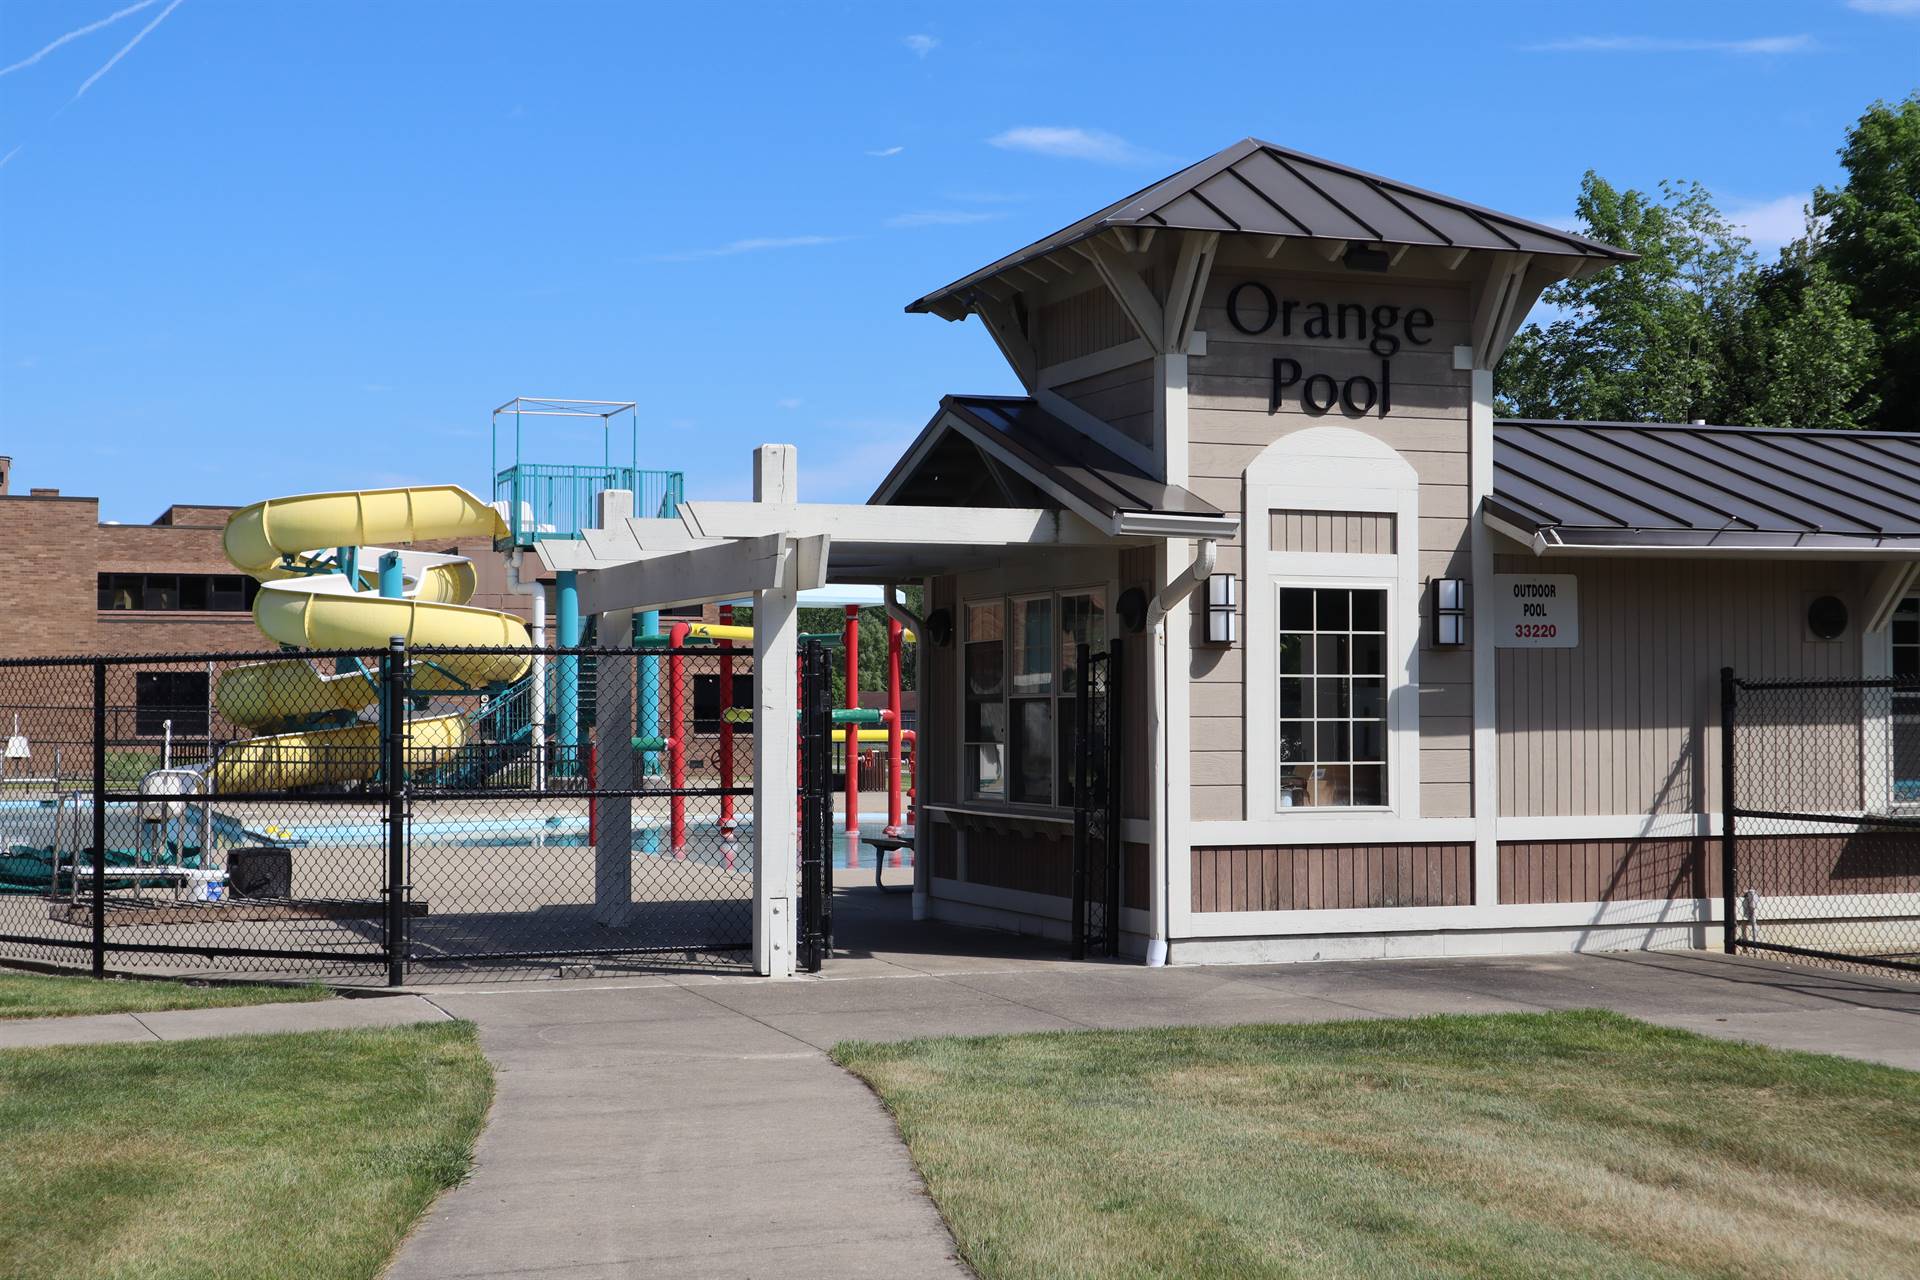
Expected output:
(753, 244)
(1896, 8)
(921, 44)
(1072, 144)
(75, 34)
(941, 218)
(125, 49)
(789, 403)
(884, 152)
(1658, 44)
(1770, 224)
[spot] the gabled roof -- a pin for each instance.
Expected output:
(977, 445)
(1619, 485)
(1259, 188)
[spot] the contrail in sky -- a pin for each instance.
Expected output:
(125, 49)
(75, 34)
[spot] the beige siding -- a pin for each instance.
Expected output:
(1628, 721)
(1332, 532)
(1321, 877)
(1231, 420)
(1079, 326)
(1122, 398)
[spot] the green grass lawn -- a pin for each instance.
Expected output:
(44, 995)
(1562, 1144)
(303, 1155)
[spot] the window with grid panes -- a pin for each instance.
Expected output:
(1332, 684)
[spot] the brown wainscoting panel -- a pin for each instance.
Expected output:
(1030, 861)
(1608, 870)
(1312, 877)
(1841, 863)
(946, 851)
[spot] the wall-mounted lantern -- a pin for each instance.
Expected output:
(1220, 605)
(1449, 611)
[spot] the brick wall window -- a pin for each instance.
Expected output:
(170, 592)
(179, 696)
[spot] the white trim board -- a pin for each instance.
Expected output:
(1331, 469)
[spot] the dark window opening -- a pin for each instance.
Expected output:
(176, 592)
(179, 696)
(706, 699)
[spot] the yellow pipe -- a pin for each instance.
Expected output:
(866, 735)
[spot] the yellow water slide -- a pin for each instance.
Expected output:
(282, 542)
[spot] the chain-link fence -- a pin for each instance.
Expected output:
(387, 813)
(1821, 845)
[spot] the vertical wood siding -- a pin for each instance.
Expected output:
(1318, 877)
(1607, 870)
(1079, 326)
(1332, 532)
(1628, 722)
(1022, 860)
(1229, 423)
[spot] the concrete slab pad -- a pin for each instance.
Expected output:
(100, 1028)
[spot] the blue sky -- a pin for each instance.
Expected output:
(256, 248)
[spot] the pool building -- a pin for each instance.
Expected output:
(1390, 676)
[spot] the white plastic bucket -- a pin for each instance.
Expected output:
(205, 885)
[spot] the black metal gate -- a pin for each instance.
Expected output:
(1820, 847)
(814, 922)
(1097, 890)
(622, 830)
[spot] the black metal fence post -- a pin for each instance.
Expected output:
(1729, 847)
(393, 681)
(1082, 798)
(1110, 801)
(99, 820)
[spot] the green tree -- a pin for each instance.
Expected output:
(1642, 341)
(1798, 355)
(1871, 245)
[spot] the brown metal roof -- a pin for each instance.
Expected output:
(1056, 458)
(1258, 188)
(1609, 485)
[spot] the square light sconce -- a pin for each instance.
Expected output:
(1221, 599)
(1449, 611)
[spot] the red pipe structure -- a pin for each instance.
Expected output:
(677, 739)
(894, 631)
(726, 725)
(852, 646)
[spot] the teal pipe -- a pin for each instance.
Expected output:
(393, 583)
(567, 605)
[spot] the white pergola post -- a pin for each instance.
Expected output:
(776, 614)
(614, 690)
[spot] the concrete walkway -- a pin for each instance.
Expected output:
(694, 1126)
(240, 1020)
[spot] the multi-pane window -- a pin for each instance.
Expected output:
(1333, 697)
(1022, 684)
(1905, 638)
(195, 592)
(985, 731)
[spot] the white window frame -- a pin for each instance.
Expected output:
(1389, 585)
(1880, 777)
(1331, 469)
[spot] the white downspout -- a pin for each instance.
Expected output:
(1184, 585)
(537, 591)
(922, 866)
(1206, 555)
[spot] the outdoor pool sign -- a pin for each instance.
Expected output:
(1536, 611)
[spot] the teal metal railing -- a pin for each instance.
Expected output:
(546, 500)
